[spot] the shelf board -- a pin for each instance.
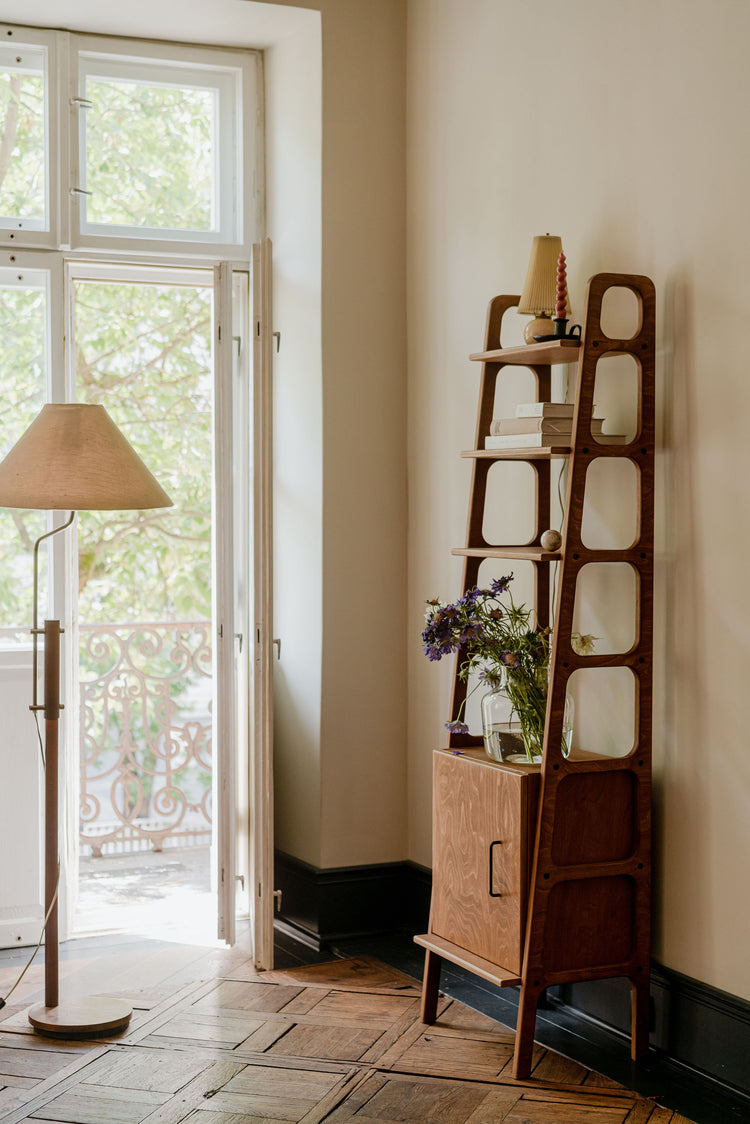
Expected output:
(476, 964)
(542, 454)
(530, 355)
(524, 553)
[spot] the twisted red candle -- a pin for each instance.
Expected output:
(562, 289)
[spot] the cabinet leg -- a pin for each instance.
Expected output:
(430, 985)
(641, 1017)
(525, 1032)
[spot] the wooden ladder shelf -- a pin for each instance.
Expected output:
(576, 834)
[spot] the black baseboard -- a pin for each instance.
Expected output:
(343, 902)
(700, 1036)
(691, 1023)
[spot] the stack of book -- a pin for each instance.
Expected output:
(542, 425)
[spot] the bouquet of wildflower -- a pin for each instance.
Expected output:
(504, 643)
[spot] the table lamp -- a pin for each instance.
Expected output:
(539, 296)
(71, 458)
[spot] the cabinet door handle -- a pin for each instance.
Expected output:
(495, 843)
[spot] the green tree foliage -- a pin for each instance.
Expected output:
(22, 145)
(143, 352)
(156, 140)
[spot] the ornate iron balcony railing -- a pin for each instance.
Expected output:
(145, 736)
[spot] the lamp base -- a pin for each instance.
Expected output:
(90, 1016)
(539, 326)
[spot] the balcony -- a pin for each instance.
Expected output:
(145, 771)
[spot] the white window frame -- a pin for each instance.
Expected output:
(31, 232)
(64, 248)
(232, 74)
(70, 57)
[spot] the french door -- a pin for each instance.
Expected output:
(180, 357)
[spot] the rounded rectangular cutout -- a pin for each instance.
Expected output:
(605, 702)
(606, 605)
(595, 818)
(514, 385)
(621, 313)
(589, 921)
(522, 587)
(617, 394)
(611, 508)
(510, 504)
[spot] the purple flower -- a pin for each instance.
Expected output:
(500, 585)
(511, 659)
(489, 676)
(457, 727)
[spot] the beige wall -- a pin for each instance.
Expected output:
(621, 127)
(340, 432)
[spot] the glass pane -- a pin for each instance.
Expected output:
(22, 140)
(150, 154)
(23, 377)
(144, 352)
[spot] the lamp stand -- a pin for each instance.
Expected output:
(92, 1015)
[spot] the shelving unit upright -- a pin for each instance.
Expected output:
(541, 875)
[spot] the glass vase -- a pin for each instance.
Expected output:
(515, 734)
(501, 730)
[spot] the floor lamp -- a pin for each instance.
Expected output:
(71, 458)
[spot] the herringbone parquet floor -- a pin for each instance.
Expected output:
(339, 1042)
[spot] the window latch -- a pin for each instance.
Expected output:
(81, 103)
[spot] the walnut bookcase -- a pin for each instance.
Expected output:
(542, 874)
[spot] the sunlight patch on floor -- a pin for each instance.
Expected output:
(163, 896)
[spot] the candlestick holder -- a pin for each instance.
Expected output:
(560, 333)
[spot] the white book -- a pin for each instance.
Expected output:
(547, 410)
(527, 440)
(545, 440)
(563, 426)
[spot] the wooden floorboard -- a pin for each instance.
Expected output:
(213, 1041)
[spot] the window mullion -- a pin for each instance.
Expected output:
(61, 169)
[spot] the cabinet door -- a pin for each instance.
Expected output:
(481, 850)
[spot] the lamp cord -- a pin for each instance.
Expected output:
(561, 501)
(35, 712)
(4, 999)
(41, 741)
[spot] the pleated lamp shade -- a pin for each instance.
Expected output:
(74, 458)
(539, 294)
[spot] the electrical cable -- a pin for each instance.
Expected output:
(39, 735)
(563, 466)
(560, 500)
(4, 999)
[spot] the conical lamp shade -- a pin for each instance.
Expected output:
(73, 457)
(539, 296)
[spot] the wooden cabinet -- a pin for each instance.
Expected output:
(542, 877)
(484, 816)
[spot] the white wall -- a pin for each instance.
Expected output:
(619, 126)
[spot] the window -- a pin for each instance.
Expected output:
(28, 145)
(151, 146)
